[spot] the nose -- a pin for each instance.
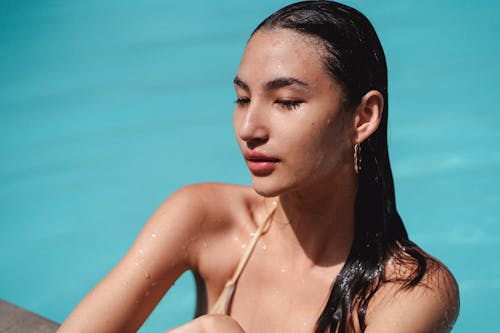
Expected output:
(252, 125)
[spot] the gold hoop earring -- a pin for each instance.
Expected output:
(357, 158)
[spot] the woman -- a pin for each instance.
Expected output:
(316, 244)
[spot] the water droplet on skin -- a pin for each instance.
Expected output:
(146, 274)
(153, 235)
(243, 246)
(275, 203)
(140, 252)
(283, 270)
(264, 247)
(252, 234)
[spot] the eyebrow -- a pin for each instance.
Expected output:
(237, 81)
(275, 84)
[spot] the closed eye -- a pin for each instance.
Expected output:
(242, 101)
(289, 104)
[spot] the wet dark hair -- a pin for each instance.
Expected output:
(356, 61)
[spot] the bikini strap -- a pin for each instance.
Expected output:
(221, 306)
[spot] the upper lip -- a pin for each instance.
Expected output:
(259, 157)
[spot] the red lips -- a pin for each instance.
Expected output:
(259, 163)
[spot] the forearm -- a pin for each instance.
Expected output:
(119, 303)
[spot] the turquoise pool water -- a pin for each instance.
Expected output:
(107, 107)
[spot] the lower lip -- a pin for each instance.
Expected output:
(263, 168)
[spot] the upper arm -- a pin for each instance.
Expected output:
(159, 255)
(430, 307)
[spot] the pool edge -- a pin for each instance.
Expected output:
(14, 319)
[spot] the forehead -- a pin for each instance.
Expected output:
(283, 53)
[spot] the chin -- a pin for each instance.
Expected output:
(266, 194)
(267, 188)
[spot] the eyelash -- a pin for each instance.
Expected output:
(287, 104)
(242, 101)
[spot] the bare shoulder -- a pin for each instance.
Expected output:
(210, 211)
(214, 200)
(174, 232)
(231, 214)
(431, 306)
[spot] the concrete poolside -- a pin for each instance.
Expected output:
(14, 319)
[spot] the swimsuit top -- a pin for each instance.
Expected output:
(221, 306)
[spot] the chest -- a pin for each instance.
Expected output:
(274, 295)
(278, 306)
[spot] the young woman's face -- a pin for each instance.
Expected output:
(288, 118)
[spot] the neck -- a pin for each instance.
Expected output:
(320, 219)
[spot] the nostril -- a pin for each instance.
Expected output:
(255, 142)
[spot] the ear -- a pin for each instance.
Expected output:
(368, 115)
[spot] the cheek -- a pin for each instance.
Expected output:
(328, 143)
